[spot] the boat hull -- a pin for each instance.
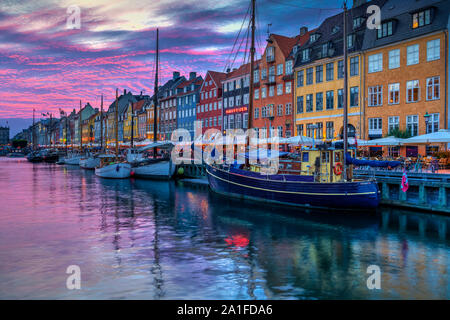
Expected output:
(89, 163)
(339, 195)
(114, 171)
(74, 161)
(162, 170)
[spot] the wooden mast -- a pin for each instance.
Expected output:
(252, 67)
(116, 120)
(155, 97)
(81, 131)
(32, 134)
(101, 124)
(132, 124)
(345, 125)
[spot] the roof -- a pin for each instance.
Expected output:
(217, 77)
(331, 32)
(241, 71)
(401, 11)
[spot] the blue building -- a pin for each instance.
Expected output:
(187, 100)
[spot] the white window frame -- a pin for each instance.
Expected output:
(375, 63)
(412, 54)
(394, 59)
(434, 50)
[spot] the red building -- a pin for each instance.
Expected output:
(209, 108)
(273, 99)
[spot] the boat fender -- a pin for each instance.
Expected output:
(338, 169)
(180, 171)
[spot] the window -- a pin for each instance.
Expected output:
(354, 96)
(354, 66)
(231, 121)
(385, 30)
(376, 63)
(433, 88)
(394, 93)
(309, 130)
(280, 110)
(350, 41)
(257, 94)
(412, 91)
(314, 37)
(319, 130)
(289, 65)
(309, 76)
(433, 50)
(421, 18)
(412, 55)
(256, 113)
(330, 129)
(263, 74)
(340, 69)
(299, 104)
(330, 71)
(246, 98)
(319, 101)
(264, 92)
(288, 110)
(330, 100)
(309, 103)
(299, 129)
(279, 89)
(280, 68)
(394, 59)
(305, 55)
(270, 54)
(412, 124)
(393, 123)
(319, 74)
(263, 112)
(433, 123)
(357, 22)
(300, 78)
(231, 102)
(225, 103)
(375, 96)
(375, 126)
(340, 98)
(325, 50)
(256, 76)
(271, 91)
(288, 87)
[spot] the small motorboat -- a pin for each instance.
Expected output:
(35, 157)
(72, 159)
(111, 168)
(152, 168)
(90, 163)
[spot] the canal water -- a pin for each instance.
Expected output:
(138, 239)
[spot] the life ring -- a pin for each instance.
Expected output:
(338, 169)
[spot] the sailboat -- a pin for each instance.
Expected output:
(91, 160)
(161, 168)
(317, 178)
(110, 166)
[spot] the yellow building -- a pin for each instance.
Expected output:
(319, 78)
(150, 121)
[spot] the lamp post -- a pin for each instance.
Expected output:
(427, 120)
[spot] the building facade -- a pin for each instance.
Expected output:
(209, 108)
(187, 99)
(167, 106)
(4, 135)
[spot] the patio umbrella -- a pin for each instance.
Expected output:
(388, 141)
(441, 136)
(302, 140)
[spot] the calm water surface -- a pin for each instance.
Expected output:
(137, 239)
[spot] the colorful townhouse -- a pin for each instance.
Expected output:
(235, 101)
(142, 121)
(406, 72)
(187, 99)
(319, 74)
(273, 97)
(167, 107)
(209, 108)
(131, 115)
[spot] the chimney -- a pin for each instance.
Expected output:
(357, 3)
(228, 70)
(176, 74)
(141, 94)
(124, 91)
(303, 30)
(192, 75)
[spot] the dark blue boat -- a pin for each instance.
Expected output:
(297, 190)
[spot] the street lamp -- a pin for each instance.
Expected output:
(427, 120)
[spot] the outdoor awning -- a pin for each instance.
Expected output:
(388, 141)
(302, 140)
(441, 136)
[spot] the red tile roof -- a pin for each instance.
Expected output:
(217, 77)
(242, 70)
(286, 43)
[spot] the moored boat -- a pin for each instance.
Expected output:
(112, 169)
(152, 168)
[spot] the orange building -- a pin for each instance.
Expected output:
(405, 77)
(273, 97)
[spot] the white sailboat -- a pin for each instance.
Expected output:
(153, 168)
(110, 166)
(90, 163)
(72, 159)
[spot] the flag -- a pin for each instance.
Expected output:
(405, 184)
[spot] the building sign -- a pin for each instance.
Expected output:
(236, 110)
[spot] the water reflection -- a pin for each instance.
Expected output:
(166, 240)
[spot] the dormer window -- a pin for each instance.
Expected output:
(294, 50)
(192, 87)
(386, 29)
(325, 50)
(421, 18)
(305, 55)
(357, 22)
(335, 29)
(185, 89)
(314, 37)
(350, 41)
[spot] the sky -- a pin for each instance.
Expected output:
(47, 66)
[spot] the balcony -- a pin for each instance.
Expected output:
(288, 77)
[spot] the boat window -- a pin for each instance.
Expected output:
(305, 157)
(325, 157)
(337, 157)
